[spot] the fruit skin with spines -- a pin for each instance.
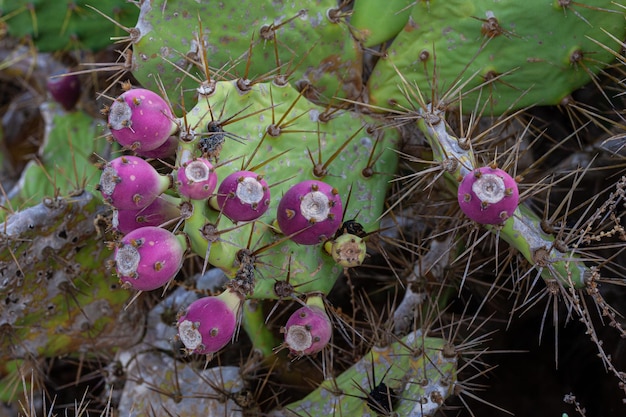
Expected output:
(310, 212)
(308, 330)
(130, 183)
(208, 324)
(141, 120)
(243, 196)
(488, 195)
(149, 257)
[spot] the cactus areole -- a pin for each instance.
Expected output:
(488, 195)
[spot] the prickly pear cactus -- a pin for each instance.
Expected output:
(530, 55)
(250, 152)
(66, 25)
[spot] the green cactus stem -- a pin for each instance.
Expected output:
(378, 21)
(59, 295)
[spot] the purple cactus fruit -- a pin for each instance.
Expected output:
(148, 257)
(140, 119)
(243, 196)
(130, 183)
(310, 211)
(209, 323)
(168, 149)
(64, 89)
(488, 195)
(196, 179)
(308, 329)
(158, 212)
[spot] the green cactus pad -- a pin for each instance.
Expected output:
(66, 25)
(285, 160)
(312, 49)
(532, 54)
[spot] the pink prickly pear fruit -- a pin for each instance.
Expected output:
(208, 324)
(158, 212)
(168, 149)
(310, 212)
(488, 195)
(64, 89)
(141, 120)
(308, 329)
(130, 183)
(196, 179)
(243, 196)
(148, 257)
